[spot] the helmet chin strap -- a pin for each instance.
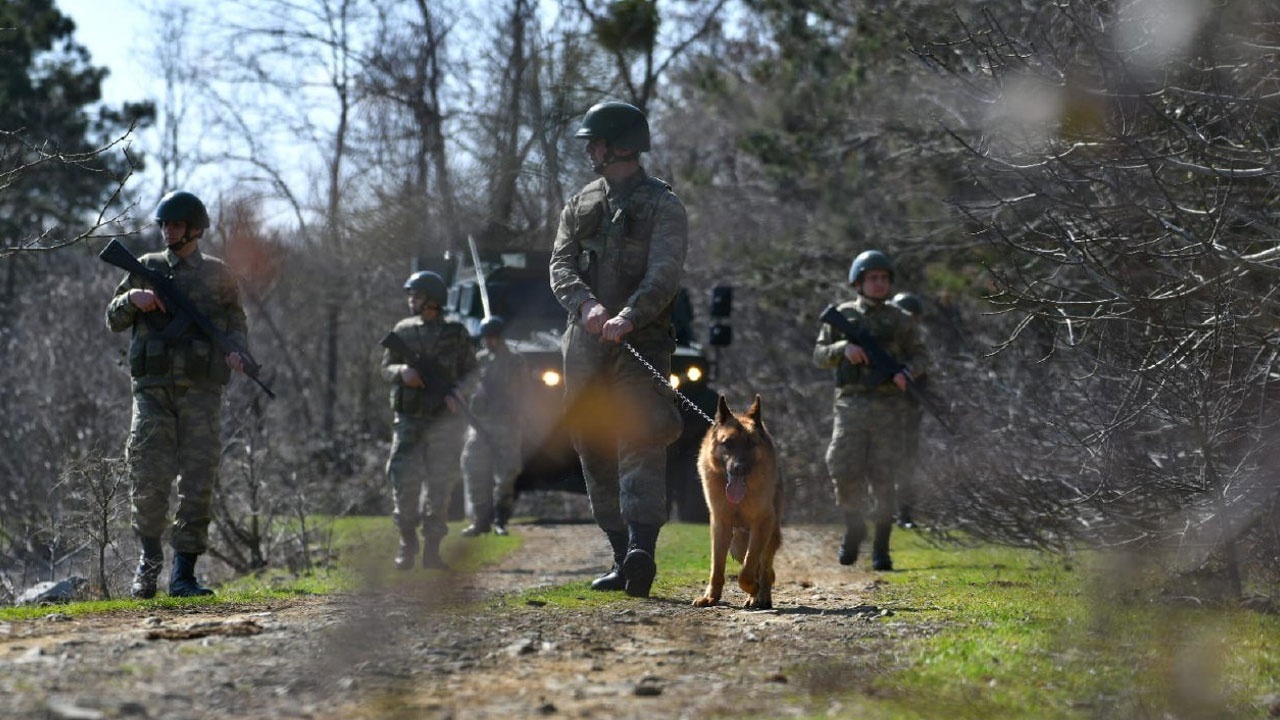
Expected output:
(610, 158)
(187, 237)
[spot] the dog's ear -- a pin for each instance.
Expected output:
(723, 413)
(754, 411)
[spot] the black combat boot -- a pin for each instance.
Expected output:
(148, 573)
(880, 547)
(431, 559)
(183, 582)
(501, 514)
(475, 528)
(855, 530)
(639, 566)
(614, 580)
(408, 548)
(904, 518)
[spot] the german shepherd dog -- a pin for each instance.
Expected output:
(738, 465)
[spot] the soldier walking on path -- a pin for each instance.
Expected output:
(866, 449)
(177, 375)
(491, 454)
(616, 266)
(905, 494)
(422, 478)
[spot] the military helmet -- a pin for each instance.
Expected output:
(182, 206)
(622, 125)
(869, 260)
(492, 325)
(909, 302)
(428, 284)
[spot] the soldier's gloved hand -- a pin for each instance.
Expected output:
(616, 329)
(411, 378)
(855, 354)
(145, 300)
(235, 361)
(593, 316)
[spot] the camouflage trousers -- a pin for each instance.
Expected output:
(423, 470)
(621, 421)
(490, 464)
(175, 433)
(865, 455)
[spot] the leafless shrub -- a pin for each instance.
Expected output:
(1124, 179)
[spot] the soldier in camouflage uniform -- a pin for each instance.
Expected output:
(177, 394)
(905, 493)
(421, 481)
(866, 438)
(491, 457)
(616, 267)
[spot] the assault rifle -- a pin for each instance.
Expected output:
(180, 307)
(883, 365)
(434, 377)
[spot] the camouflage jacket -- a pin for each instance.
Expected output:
(623, 245)
(447, 342)
(892, 328)
(499, 385)
(189, 358)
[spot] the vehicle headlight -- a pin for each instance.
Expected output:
(694, 373)
(674, 380)
(550, 378)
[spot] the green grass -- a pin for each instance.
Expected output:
(1020, 634)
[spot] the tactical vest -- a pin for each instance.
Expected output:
(156, 358)
(614, 242)
(853, 379)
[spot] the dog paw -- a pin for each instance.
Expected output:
(758, 604)
(706, 601)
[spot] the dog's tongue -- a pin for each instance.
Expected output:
(736, 490)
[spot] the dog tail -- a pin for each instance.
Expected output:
(738, 546)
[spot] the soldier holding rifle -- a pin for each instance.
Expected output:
(875, 351)
(188, 333)
(423, 367)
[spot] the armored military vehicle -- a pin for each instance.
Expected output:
(518, 290)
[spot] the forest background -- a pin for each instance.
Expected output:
(1084, 194)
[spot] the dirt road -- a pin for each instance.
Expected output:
(415, 654)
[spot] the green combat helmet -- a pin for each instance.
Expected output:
(909, 302)
(182, 206)
(492, 326)
(869, 260)
(429, 284)
(622, 125)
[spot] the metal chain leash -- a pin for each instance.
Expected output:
(664, 382)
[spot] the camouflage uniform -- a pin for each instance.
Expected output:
(624, 246)
(866, 447)
(422, 482)
(492, 460)
(177, 397)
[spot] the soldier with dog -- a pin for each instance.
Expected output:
(615, 267)
(870, 403)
